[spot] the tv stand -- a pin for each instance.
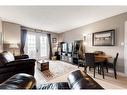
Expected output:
(69, 51)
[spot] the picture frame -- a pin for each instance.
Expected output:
(84, 39)
(54, 40)
(104, 38)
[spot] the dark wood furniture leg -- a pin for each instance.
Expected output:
(94, 71)
(115, 74)
(85, 67)
(78, 64)
(102, 69)
(106, 65)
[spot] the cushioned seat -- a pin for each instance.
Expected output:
(60, 85)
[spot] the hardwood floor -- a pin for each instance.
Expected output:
(108, 83)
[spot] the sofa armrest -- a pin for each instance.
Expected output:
(22, 61)
(21, 57)
(19, 81)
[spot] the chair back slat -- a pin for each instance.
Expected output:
(115, 59)
(89, 59)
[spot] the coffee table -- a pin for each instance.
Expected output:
(43, 65)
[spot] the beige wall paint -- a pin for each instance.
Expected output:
(54, 45)
(1, 38)
(115, 22)
(125, 47)
(0, 25)
(11, 34)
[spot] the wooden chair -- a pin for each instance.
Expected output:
(113, 65)
(90, 62)
(81, 61)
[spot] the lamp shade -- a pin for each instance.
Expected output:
(13, 46)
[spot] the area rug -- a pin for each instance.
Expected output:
(57, 69)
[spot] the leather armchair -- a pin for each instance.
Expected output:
(11, 65)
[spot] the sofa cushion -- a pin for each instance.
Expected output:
(2, 59)
(81, 80)
(76, 80)
(59, 85)
(86, 83)
(74, 77)
(7, 56)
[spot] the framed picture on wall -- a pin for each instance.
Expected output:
(104, 38)
(54, 40)
(84, 38)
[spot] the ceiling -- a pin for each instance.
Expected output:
(58, 18)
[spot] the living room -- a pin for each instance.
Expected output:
(55, 46)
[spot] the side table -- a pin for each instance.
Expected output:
(43, 65)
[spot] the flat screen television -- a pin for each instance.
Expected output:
(70, 47)
(64, 47)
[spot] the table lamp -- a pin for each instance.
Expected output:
(13, 46)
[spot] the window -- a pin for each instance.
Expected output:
(43, 46)
(31, 45)
(36, 45)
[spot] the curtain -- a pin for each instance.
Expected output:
(50, 46)
(23, 40)
(81, 50)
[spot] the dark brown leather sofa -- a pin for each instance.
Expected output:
(19, 81)
(11, 65)
(76, 80)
